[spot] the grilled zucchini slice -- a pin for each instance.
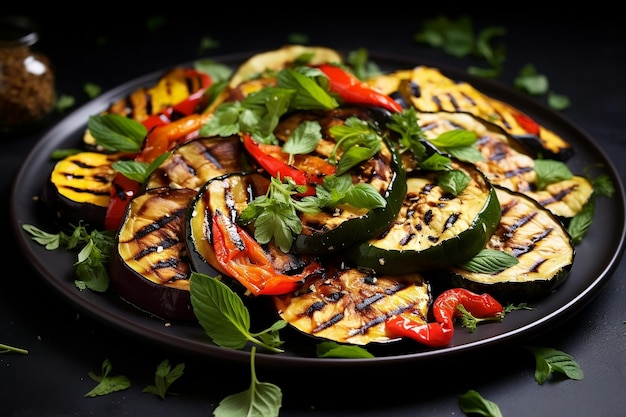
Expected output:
(193, 163)
(348, 305)
(507, 164)
(150, 268)
(335, 229)
(536, 238)
(434, 228)
(79, 188)
(428, 90)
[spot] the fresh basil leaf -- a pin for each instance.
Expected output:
(222, 314)
(117, 133)
(260, 399)
(549, 171)
(549, 361)
(473, 403)
(453, 181)
(304, 138)
(489, 261)
(581, 222)
(309, 94)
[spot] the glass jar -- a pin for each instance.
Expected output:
(27, 82)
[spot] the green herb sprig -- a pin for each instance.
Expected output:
(95, 249)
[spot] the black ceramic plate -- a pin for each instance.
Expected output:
(595, 260)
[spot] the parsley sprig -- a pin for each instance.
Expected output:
(275, 214)
(95, 249)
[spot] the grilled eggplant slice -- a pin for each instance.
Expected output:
(79, 187)
(150, 268)
(349, 305)
(193, 163)
(230, 194)
(536, 238)
(434, 228)
(507, 164)
(334, 230)
(428, 90)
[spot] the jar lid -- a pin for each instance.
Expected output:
(17, 30)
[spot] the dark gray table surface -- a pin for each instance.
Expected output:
(583, 57)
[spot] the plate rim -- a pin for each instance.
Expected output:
(92, 306)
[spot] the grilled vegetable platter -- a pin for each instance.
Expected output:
(329, 205)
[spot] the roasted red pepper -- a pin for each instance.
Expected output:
(188, 106)
(354, 91)
(163, 135)
(527, 123)
(241, 257)
(445, 309)
(276, 167)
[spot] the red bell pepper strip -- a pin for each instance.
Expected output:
(527, 123)
(354, 91)
(445, 309)
(186, 107)
(278, 168)
(243, 258)
(123, 189)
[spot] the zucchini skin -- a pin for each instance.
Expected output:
(536, 237)
(381, 256)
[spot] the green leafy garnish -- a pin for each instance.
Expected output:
(549, 361)
(489, 261)
(581, 222)
(470, 322)
(358, 142)
(530, 81)
(91, 266)
(411, 134)
(260, 399)
(453, 181)
(473, 403)
(164, 377)
(549, 171)
(107, 384)
(139, 171)
(224, 317)
(457, 38)
(12, 349)
(92, 90)
(303, 140)
(459, 143)
(558, 101)
(361, 66)
(117, 133)
(275, 213)
(207, 43)
(64, 102)
(336, 350)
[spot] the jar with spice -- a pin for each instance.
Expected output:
(27, 81)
